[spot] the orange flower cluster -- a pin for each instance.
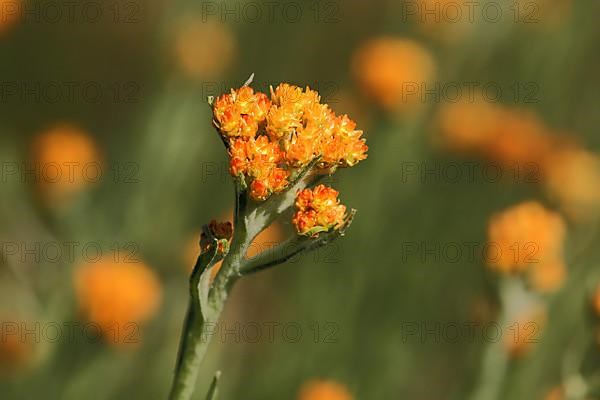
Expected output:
(318, 210)
(529, 239)
(269, 138)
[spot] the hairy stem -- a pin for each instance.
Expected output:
(207, 303)
(194, 344)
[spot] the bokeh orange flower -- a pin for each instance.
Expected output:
(572, 177)
(556, 393)
(10, 14)
(118, 296)
(65, 159)
(596, 301)
(204, 49)
(16, 349)
(528, 238)
(324, 390)
(522, 335)
(510, 137)
(518, 140)
(546, 15)
(394, 72)
(447, 21)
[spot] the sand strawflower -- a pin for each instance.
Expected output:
(279, 149)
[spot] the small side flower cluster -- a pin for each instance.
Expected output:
(270, 138)
(318, 210)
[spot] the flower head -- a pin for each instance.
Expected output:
(297, 130)
(318, 210)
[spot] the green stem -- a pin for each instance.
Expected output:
(206, 304)
(194, 344)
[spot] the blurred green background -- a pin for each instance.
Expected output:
(124, 85)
